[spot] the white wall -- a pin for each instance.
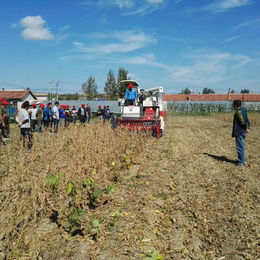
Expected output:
(29, 98)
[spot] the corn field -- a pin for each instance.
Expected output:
(208, 107)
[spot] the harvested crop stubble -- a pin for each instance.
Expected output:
(136, 197)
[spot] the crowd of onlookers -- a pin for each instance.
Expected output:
(50, 117)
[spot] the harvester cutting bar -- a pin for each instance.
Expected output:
(140, 124)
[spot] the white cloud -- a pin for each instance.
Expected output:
(221, 6)
(124, 3)
(126, 41)
(35, 28)
(143, 10)
(247, 23)
(155, 1)
(148, 59)
(109, 48)
(127, 36)
(205, 69)
(131, 7)
(64, 28)
(228, 4)
(36, 34)
(231, 39)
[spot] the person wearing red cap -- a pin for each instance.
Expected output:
(100, 113)
(82, 114)
(5, 129)
(130, 95)
(68, 115)
(74, 113)
(104, 114)
(62, 116)
(39, 117)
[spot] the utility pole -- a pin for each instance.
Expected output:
(50, 88)
(57, 86)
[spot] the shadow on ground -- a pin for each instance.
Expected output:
(220, 158)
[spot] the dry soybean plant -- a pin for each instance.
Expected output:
(66, 179)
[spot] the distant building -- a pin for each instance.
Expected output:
(17, 97)
(41, 96)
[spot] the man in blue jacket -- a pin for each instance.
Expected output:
(130, 95)
(241, 127)
(47, 116)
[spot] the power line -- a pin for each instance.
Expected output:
(10, 84)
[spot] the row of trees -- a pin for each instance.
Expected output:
(211, 91)
(205, 91)
(113, 89)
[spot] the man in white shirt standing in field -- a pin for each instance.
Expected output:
(56, 116)
(25, 124)
(33, 117)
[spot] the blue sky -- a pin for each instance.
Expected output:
(170, 43)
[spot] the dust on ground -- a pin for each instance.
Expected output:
(180, 196)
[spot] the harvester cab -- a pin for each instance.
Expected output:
(147, 112)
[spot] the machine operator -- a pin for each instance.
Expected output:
(130, 95)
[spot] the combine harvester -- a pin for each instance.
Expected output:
(148, 112)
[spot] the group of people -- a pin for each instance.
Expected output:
(103, 113)
(58, 115)
(31, 119)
